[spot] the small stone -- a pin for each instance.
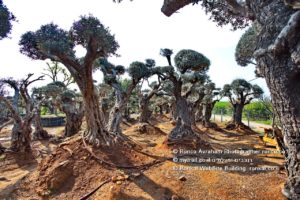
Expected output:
(182, 178)
(175, 197)
(119, 182)
(136, 174)
(126, 177)
(114, 179)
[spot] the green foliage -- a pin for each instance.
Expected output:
(166, 52)
(225, 106)
(48, 40)
(187, 59)
(241, 91)
(52, 42)
(6, 18)
(258, 91)
(246, 47)
(44, 110)
(239, 86)
(150, 63)
(120, 69)
(194, 77)
(257, 111)
(89, 29)
(138, 70)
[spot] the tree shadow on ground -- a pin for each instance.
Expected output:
(156, 191)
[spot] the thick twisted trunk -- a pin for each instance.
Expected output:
(74, 118)
(95, 133)
(183, 129)
(237, 114)
(278, 60)
(207, 112)
(115, 118)
(285, 91)
(145, 111)
(21, 132)
(39, 132)
(20, 137)
(116, 113)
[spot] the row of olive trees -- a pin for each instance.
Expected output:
(277, 55)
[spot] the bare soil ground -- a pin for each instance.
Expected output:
(68, 171)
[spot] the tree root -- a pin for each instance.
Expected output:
(101, 161)
(85, 197)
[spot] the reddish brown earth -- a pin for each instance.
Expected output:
(69, 171)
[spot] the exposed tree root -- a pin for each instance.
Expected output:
(85, 197)
(102, 161)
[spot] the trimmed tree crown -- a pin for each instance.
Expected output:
(246, 47)
(190, 60)
(52, 42)
(241, 87)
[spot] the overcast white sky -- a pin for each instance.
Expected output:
(139, 27)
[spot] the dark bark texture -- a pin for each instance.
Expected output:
(74, 117)
(183, 128)
(39, 132)
(278, 61)
(145, 111)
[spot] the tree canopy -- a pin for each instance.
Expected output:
(6, 19)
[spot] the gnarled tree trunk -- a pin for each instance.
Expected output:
(39, 132)
(280, 67)
(183, 129)
(237, 114)
(207, 112)
(145, 111)
(115, 116)
(96, 133)
(20, 137)
(74, 118)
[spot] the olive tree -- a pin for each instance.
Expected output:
(38, 99)
(6, 19)
(211, 95)
(277, 56)
(144, 100)
(73, 108)
(137, 71)
(240, 93)
(190, 67)
(246, 47)
(56, 44)
(21, 132)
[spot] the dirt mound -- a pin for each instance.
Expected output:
(71, 171)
